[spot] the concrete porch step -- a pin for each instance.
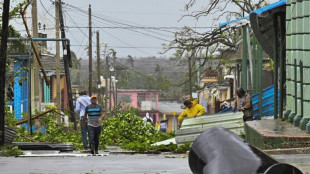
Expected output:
(274, 134)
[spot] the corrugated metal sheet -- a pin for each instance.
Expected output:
(192, 127)
(268, 102)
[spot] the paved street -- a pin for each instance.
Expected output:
(301, 161)
(116, 164)
(112, 164)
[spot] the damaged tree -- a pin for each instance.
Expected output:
(207, 43)
(33, 45)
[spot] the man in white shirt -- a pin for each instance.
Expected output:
(147, 118)
(81, 103)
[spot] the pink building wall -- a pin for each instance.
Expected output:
(148, 97)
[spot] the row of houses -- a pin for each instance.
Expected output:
(18, 98)
(147, 101)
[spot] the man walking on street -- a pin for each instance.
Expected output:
(95, 115)
(81, 103)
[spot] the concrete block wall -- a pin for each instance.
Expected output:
(298, 50)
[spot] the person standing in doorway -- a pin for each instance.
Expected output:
(243, 102)
(81, 103)
(95, 114)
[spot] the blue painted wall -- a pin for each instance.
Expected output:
(20, 89)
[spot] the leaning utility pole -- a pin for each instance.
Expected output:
(35, 67)
(98, 69)
(58, 94)
(90, 53)
(3, 51)
(67, 63)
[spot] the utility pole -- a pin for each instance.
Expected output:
(106, 79)
(67, 63)
(190, 75)
(90, 53)
(58, 94)
(98, 69)
(115, 81)
(3, 54)
(35, 67)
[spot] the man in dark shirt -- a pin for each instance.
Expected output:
(243, 102)
(95, 115)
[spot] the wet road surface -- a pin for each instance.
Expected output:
(301, 161)
(112, 164)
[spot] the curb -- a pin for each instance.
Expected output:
(302, 150)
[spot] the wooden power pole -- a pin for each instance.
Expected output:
(90, 53)
(106, 79)
(35, 67)
(67, 63)
(98, 69)
(58, 94)
(3, 54)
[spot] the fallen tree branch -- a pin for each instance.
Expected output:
(35, 117)
(59, 113)
(23, 12)
(28, 138)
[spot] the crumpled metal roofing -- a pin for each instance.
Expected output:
(257, 11)
(233, 23)
(269, 7)
(265, 34)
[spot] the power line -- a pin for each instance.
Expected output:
(129, 46)
(127, 43)
(117, 25)
(111, 46)
(108, 34)
(143, 13)
(120, 23)
(85, 35)
(134, 27)
(138, 27)
(46, 10)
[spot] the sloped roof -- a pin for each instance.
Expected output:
(49, 62)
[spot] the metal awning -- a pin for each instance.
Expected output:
(269, 7)
(262, 24)
(235, 23)
(261, 21)
(245, 20)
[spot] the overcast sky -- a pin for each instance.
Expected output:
(117, 22)
(125, 25)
